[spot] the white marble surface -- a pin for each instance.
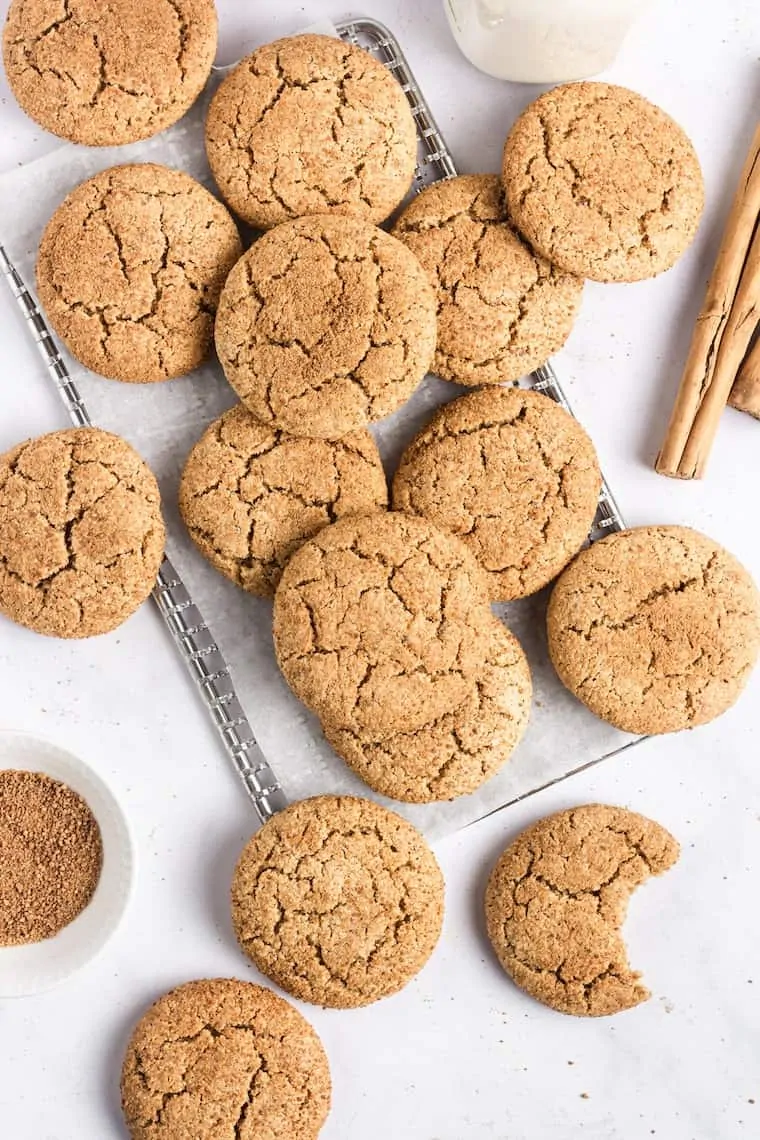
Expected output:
(460, 1054)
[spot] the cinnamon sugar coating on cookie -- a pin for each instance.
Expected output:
(130, 269)
(250, 495)
(453, 754)
(221, 1058)
(325, 325)
(311, 125)
(602, 182)
(104, 74)
(381, 622)
(557, 899)
(81, 533)
(512, 474)
(502, 308)
(338, 900)
(656, 629)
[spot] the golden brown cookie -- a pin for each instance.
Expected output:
(557, 899)
(461, 749)
(223, 1058)
(81, 534)
(502, 308)
(250, 495)
(514, 475)
(602, 182)
(655, 628)
(130, 269)
(338, 900)
(324, 325)
(311, 125)
(104, 74)
(381, 623)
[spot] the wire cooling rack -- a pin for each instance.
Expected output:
(190, 633)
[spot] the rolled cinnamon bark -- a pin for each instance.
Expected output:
(745, 394)
(720, 337)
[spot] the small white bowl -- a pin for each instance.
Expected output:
(39, 966)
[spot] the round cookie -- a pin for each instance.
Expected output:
(324, 325)
(130, 269)
(81, 533)
(557, 899)
(602, 182)
(655, 629)
(380, 624)
(502, 308)
(108, 74)
(311, 125)
(250, 495)
(224, 1058)
(514, 475)
(465, 746)
(338, 900)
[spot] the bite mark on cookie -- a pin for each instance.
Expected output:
(556, 901)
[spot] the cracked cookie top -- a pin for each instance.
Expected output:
(380, 623)
(338, 900)
(224, 1058)
(108, 74)
(513, 475)
(324, 325)
(81, 534)
(250, 495)
(463, 747)
(557, 898)
(603, 182)
(130, 269)
(311, 125)
(502, 308)
(655, 629)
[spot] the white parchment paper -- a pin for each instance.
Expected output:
(163, 421)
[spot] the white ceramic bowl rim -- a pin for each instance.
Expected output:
(31, 969)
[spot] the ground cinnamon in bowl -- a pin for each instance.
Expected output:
(51, 854)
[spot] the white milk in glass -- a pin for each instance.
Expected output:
(541, 41)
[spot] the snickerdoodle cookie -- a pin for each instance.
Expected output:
(381, 623)
(81, 534)
(382, 627)
(602, 182)
(325, 324)
(338, 900)
(502, 308)
(463, 747)
(106, 74)
(221, 1058)
(250, 495)
(311, 125)
(130, 269)
(557, 899)
(514, 475)
(655, 629)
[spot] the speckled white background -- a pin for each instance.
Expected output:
(460, 1054)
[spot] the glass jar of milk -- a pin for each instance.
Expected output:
(541, 41)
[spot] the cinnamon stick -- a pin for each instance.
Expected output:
(745, 394)
(720, 338)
